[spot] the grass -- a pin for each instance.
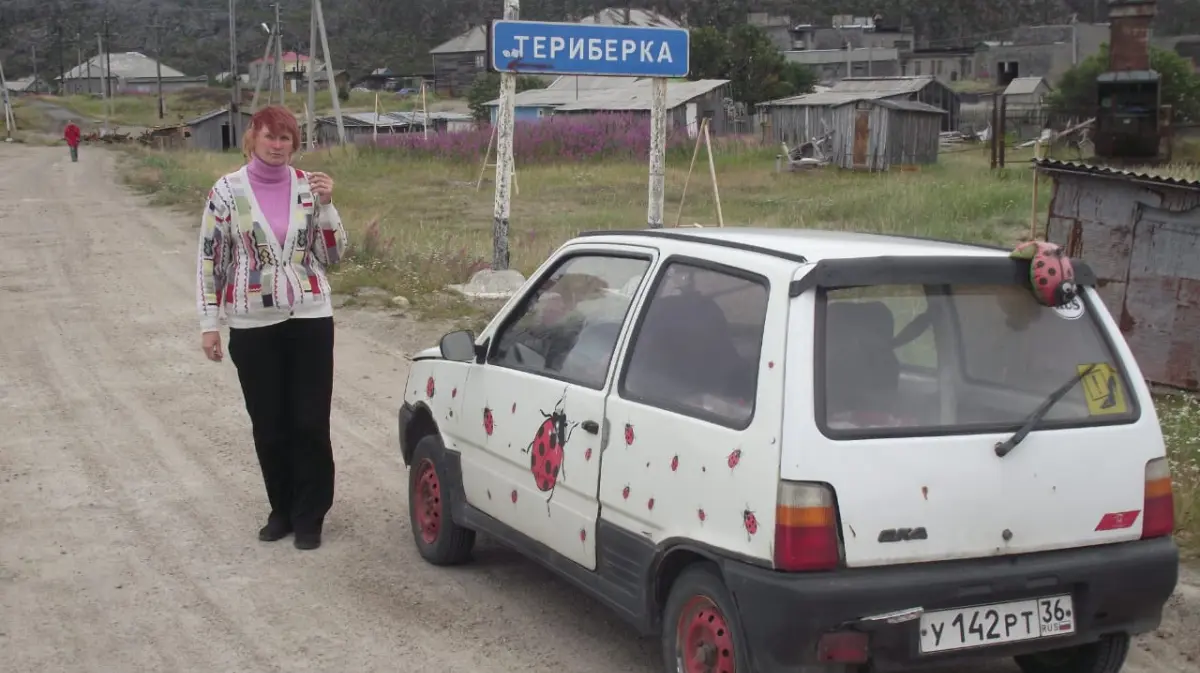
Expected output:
(417, 225)
(142, 110)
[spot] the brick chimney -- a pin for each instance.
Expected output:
(1129, 45)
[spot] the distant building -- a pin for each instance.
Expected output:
(1026, 93)
(1039, 51)
(294, 64)
(28, 85)
(946, 64)
(687, 101)
(132, 73)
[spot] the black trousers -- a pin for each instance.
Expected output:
(286, 373)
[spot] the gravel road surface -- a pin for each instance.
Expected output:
(130, 497)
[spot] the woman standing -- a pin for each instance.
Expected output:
(267, 234)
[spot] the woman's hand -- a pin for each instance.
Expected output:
(211, 343)
(322, 186)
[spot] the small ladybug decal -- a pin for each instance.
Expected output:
(547, 450)
(628, 435)
(734, 458)
(625, 492)
(429, 389)
(453, 393)
(489, 492)
(700, 513)
(587, 455)
(582, 535)
(514, 409)
(650, 503)
(489, 423)
(514, 495)
(675, 463)
(750, 522)
(771, 364)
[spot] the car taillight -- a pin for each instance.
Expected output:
(1159, 505)
(806, 536)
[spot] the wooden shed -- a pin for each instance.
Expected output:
(1140, 234)
(211, 131)
(923, 89)
(878, 134)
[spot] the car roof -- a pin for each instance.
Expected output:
(806, 245)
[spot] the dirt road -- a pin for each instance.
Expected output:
(130, 497)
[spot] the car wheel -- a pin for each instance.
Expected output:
(439, 539)
(701, 630)
(1104, 656)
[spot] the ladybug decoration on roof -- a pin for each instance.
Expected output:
(547, 450)
(1050, 272)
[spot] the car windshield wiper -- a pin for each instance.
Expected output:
(1003, 448)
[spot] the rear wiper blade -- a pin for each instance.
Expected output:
(1003, 448)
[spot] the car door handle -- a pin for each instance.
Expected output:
(591, 426)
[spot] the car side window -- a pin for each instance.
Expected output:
(567, 327)
(696, 350)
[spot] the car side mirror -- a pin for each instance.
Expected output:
(458, 346)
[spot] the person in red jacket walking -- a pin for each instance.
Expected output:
(71, 133)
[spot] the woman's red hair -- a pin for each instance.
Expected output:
(278, 120)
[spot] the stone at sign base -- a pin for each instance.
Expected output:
(490, 284)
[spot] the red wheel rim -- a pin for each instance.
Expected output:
(703, 641)
(427, 502)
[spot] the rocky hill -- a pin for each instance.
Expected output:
(366, 34)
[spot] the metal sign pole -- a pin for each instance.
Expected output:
(658, 151)
(504, 156)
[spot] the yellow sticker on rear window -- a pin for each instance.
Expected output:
(1102, 389)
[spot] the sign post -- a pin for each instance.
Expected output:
(555, 48)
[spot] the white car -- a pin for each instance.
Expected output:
(792, 450)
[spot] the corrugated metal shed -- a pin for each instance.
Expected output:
(1140, 234)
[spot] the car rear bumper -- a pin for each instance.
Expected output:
(1119, 588)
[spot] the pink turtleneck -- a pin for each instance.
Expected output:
(272, 187)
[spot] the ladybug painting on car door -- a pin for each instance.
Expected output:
(547, 450)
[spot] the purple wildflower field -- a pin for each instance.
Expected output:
(562, 138)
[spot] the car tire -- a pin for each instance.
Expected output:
(1106, 655)
(700, 620)
(439, 539)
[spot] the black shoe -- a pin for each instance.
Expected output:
(307, 541)
(276, 529)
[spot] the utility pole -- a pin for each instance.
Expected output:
(33, 49)
(262, 71)
(103, 85)
(333, 91)
(235, 117)
(108, 61)
(310, 72)
(279, 52)
(158, 64)
(504, 156)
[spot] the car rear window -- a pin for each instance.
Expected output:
(942, 359)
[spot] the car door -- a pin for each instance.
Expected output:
(533, 411)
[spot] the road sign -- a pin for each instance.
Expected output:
(552, 48)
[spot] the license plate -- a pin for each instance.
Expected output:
(996, 624)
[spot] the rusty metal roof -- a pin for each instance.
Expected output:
(1107, 172)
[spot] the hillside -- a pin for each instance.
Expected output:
(365, 34)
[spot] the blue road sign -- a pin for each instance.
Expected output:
(551, 48)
